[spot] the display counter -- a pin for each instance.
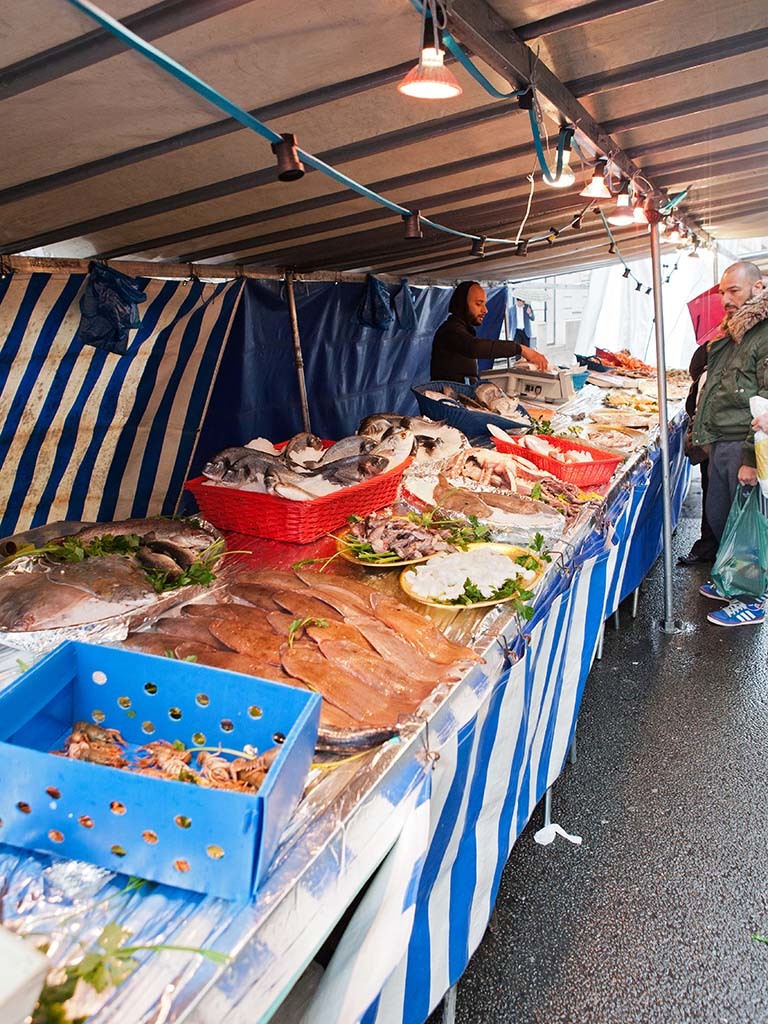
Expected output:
(423, 824)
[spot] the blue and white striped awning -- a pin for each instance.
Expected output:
(86, 434)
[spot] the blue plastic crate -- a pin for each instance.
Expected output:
(470, 421)
(209, 840)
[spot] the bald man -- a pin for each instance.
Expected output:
(456, 347)
(737, 369)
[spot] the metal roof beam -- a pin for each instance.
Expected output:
(75, 54)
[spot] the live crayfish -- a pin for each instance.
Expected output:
(91, 742)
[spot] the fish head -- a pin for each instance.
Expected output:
(396, 447)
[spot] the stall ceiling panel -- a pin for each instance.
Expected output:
(113, 158)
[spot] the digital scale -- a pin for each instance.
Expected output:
(535, 385)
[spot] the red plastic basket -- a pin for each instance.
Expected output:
(583, 474)
(297, 522)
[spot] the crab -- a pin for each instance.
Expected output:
(98, 733)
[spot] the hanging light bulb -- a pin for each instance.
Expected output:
(430, 79)
(627, 272)
(673, 234)
(597, 189)
(621, 215)
(612, 249)
(639, 215)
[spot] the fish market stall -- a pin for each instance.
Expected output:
(416, 828)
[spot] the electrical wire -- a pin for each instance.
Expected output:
(527, 209)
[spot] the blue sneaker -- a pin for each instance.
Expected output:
(709, 590)
(738, 614)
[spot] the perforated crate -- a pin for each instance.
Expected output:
(209, 840)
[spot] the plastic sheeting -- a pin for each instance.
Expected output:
(351, 371)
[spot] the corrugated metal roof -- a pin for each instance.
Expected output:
(111, 157)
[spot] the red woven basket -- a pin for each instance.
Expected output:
(582, 474)
(297, 522)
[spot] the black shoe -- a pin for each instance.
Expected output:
(694, 558)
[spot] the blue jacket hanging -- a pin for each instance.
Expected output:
(405, 309)
(374, 309)
(108, 309)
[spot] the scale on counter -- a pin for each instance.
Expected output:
(535, 385)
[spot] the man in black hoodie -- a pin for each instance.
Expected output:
(456, 347)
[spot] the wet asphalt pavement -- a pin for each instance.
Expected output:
(651, 919)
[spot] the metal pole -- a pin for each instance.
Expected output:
(668, 623)
(298, 358)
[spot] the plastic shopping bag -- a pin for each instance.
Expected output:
(741, 567)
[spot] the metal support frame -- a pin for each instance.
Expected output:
(635, 601)
(600, 638)
(668, 622)
(572, 749)
(297, 354)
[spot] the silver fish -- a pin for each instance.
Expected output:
(355, 444)
(376, 425)
(182, 532)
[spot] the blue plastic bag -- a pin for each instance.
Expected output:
(405, 310)
(741, 567)
(108, 309)
(374, 309)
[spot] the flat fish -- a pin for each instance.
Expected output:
(256, 641)
(281, 622)
(329, 587)
(271, 579)
(371, 669)
(255, 595)
(458, 499)
(338, 598)
(28, 601)
(232, 661)
(241, 612)
(419, 631)
(338, 631)
(304, 606)
(516, 503)
(395, 649)
(112, 578)
(162, 644)
(342, 689)
(187, 629)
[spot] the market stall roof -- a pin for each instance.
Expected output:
(111, 157)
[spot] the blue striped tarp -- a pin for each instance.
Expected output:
(86, 434)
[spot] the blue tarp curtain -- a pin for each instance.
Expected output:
(351, 370)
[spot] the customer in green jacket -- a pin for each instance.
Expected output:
(737, 369)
